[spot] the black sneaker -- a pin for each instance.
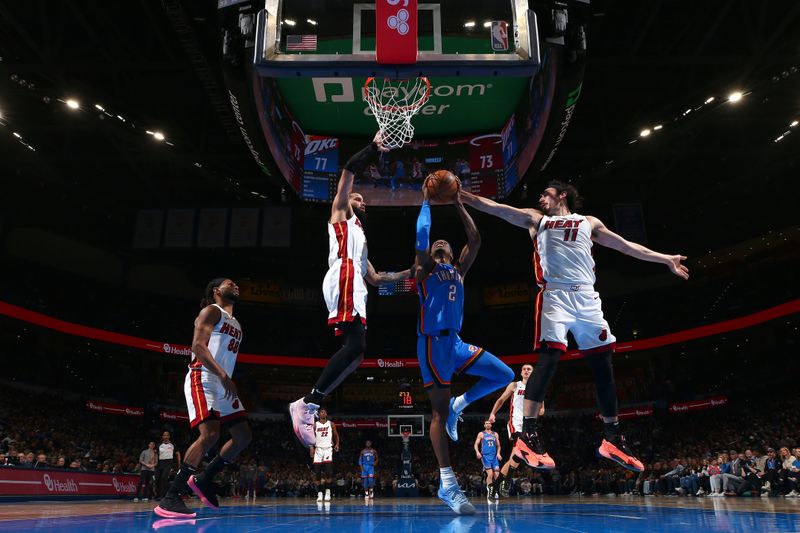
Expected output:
(505, 487)
(173, 507)
(207, 492)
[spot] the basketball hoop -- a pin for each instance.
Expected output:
(393, 103)
(406, 436)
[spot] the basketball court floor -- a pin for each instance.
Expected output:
(551, 514)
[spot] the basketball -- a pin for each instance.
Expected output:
(442, 185)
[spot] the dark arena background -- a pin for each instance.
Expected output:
(147, 147)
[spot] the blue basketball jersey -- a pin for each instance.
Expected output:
(441, 296)
(489, 443)
(367, 457)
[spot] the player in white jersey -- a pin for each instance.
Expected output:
(327, 442)
(345, 290)
(567, 302)
(212, 399)
(515, 392)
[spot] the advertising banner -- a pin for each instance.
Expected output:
(114, 409)
(699, 405)
(28, 482)
(177, 416)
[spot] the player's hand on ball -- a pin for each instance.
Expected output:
(676, 267)
(230, 388)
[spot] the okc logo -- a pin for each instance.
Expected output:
(399, 22)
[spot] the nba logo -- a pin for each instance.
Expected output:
(499, 35)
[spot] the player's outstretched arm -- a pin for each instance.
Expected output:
(524, 218)
(424, 263)
(340, 208)
(380, 278)
(203, 326)
(470, 250)
(605, 237)
(501, 400)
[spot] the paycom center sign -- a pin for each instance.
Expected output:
(457, 106)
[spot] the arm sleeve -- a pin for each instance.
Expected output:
(357, 163)
(423, 227)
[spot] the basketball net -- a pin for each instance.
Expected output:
(393, 103)
(406, 435)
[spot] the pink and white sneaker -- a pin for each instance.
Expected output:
(303, 416)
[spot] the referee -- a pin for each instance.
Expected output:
(168, 458)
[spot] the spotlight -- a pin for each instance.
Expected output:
(470, 24)
(312, 22)
(644, 133)
(792, 125)
(487, 24)
(158, 135)
(709, 99)
(99, 107)
(656, 128)
(735, 97)
(72, 104)
(290, 22)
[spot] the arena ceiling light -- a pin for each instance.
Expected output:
(792, 125)
(657, 127)
(469, 24)
(290, 22)
(645, 132)
(735, 97)
(709, 99)
(157, 135)
(487, 24)
(72, 104)
(312, 22)
(99, 107)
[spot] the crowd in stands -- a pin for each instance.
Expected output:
(748, 448)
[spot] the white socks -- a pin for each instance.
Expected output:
(460, 403)
(448, 477)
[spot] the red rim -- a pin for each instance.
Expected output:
(401, 108)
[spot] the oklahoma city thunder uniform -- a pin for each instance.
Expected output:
(205, 395)
(367, 463)
(564, 270)
(515, 409)
(323, 450)
(440, 350)
(489, 450)
(343, 288)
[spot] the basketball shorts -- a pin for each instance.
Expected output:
(323, 455)
(441, 357)
(205, 399)
(490, 462)
(367, 471)
(579, 312)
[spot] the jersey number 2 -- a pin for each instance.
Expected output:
(452, 295)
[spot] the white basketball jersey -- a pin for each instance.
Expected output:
(226, 337)
(515, 408)
(324, 434)
(563, 250)
(344, 288)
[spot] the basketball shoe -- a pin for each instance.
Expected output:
(616, 449)
(530, 450)
(453, 418)
(173, 507)
(206, 491)
(456, 500)
(303, 414)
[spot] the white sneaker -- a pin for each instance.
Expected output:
(327, 495)
(136, 500)
(145, 499)
(319, 496)
(793, 494)
(700, 492)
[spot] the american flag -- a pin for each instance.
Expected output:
(296, 43)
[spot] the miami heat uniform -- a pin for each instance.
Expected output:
(567, 302)
(344, 288)
(205, 395)
(515, 410)
(440, 350)
(323, 450)
(489, 450)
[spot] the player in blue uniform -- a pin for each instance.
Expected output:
(367, 461)
(489, 454)
(440, 350)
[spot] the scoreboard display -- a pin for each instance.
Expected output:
(405, 398)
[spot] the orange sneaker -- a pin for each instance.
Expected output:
(619, 453)
(529, 450)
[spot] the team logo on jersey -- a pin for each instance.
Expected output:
(603, 335)
(472, 349)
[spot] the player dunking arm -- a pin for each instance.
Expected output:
(327, 442)
(487, 450)
(344, 290)
(516, 392)
(564, 270)
(367, 460)
(211, 398)
(440, 350)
